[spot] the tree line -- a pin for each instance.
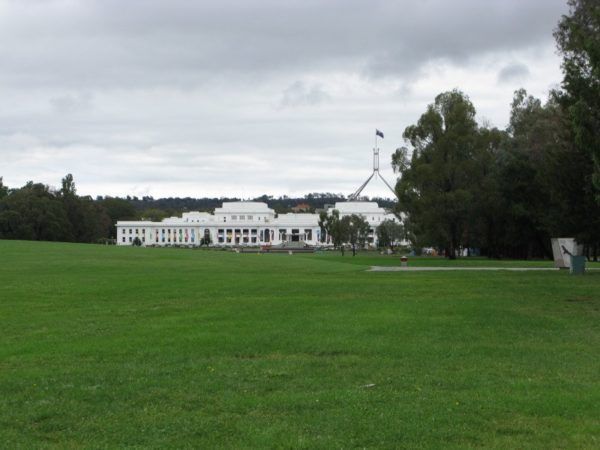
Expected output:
(506, 192)
(354, 230)
(39, 212)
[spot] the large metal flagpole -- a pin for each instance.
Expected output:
(375, 173)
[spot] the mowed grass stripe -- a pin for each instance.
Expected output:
(125, 347)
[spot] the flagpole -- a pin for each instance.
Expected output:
(375, 174)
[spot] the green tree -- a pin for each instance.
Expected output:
(3, 189)
(356, 230)
(71, 204)
(33, 212)
(95, 221)
(436, 188)
(335, 228)
(488, 213)
(578, 39)
(68, 186)
(516, 220)
(323, 225)
(553, 193)
(117, 209)
(557, 173)
(388, 233)
(153, 214)
(88, 220)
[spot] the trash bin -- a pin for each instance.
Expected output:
(404, 261)
(577, 265)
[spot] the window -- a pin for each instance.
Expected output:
(250, 217)
(130, 231)
(233, 217)
(143, 239)
(137, 231)
(242, 217)
(123, 238)
(143, 231)
(129, 238)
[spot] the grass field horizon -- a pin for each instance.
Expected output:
(111, 347)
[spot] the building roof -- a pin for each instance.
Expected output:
(358, 208)
(244, 207)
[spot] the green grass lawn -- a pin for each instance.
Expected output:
(110, 347)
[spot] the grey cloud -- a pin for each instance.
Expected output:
(513, 72)
(72, 103)
(109, 43)
(302, 94)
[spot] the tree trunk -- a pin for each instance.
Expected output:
(453, 242)
(452, 254)
(353, 250)
(453, 248)
(450, 251)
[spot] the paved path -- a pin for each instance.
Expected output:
(429, 268)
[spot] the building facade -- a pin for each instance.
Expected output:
(244, 224)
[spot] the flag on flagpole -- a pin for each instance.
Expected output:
(378, 133)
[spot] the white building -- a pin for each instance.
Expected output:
(244, 224)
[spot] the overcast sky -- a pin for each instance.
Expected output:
(242, 98)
